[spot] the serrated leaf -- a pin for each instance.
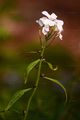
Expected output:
(30, 67)
(51, 66)
(58, 83)
(16, 97)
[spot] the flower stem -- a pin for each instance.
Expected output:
(36, 84)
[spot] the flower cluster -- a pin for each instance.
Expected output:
(50, 21)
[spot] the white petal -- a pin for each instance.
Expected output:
(43, 19)
(46, 14)
(43, 31)
(60, 22)
(59, 25)
(46, 28)
(60, 28)
(39, 22)
(51, 23)
(46, 21)
(53, 16)
(60, 36)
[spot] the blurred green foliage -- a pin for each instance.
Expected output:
(4, 34)
(48, 102)
(7, 5)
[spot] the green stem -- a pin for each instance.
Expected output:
(36, 84)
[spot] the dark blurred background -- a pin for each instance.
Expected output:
(19, 35)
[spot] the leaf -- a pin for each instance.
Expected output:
(16, 97)
(30, 67)
(51, 66)
(57, 82)
(33, 52)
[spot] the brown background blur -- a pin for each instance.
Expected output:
(26, 29)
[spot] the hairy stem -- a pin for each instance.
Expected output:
(36, 84)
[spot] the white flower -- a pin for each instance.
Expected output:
(51, 17)
(59, 28)
(45, 29)
(45, 23)
(59, 24)
(49, 21)
(60, 36)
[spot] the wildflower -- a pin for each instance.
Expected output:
(51, 17)
(50, 21)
